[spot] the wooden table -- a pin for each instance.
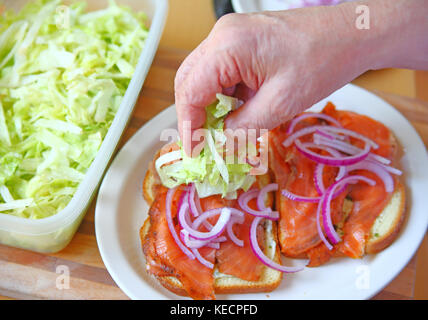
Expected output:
(29, 275)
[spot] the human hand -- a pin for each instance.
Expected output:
(278, 63)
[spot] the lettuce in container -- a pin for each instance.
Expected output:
(61, 83)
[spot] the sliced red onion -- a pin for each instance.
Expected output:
(328, 196)
(262, 195)
(306, 115)
(298, 198)
(335, 153)
(213, 233)
(320, 233)
(288, 142)
(232, 236)
(191, 200)
(214, 245)
(191, 243)
(348, 148)
(259, 253)
(388, 168)
(377, 169)
(202, 260)
(213, 212)
(249, 195)
(331, 161)
(318, 179)
(171, 227)
(329, 135)
(219, 239)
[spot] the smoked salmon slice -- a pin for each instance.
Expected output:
(162, 251)
(298, 236)
(293, 171)
(238, 261)
(369, 201)
(165, 258)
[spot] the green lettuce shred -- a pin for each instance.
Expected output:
(209, 171)
(61, 83)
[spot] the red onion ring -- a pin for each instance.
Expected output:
(328, 195)
(306, 115)
(262, 195)
(202, 260)
(335, 153)
(344, 131)
(213, 233)
(329, 135)
(319, 229)
(214, 245)
(220, 239)
(171, 227)
(232, 236)
(377, 169)
(249, 195)
(298, 198)
(213, 212)
(331, 161)
(388, 168)
(191, 201)
(348, 148)
(262, 257)
(191, 243)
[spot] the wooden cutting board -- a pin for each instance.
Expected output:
(29, 275)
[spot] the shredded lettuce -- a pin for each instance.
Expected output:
(61, 84)
(209, 171)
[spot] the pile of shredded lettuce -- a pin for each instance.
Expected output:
(61, 83)
(209, 171)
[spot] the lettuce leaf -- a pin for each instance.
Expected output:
(61, 84)
(209, 171)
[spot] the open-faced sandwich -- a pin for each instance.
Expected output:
(214, 227)
(339, 192)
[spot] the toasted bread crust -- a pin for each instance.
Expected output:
(173, 284)
(377, 244)
(151, 179)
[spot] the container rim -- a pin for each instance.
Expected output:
(80, 200)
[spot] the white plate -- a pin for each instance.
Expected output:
(121, 211)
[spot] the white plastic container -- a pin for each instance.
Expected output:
(54, 233)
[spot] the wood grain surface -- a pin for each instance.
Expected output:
(29, 275)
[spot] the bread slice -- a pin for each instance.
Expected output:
(388, 224)
(268, 282)
(270, 278)
(150, 182)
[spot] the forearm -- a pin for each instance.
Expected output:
(397, 35)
